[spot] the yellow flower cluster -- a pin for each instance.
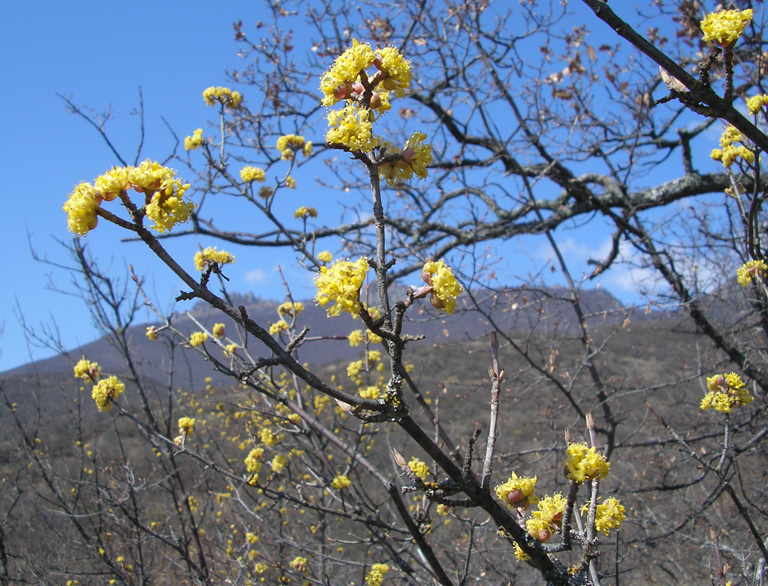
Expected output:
(151, 333)
(324, 256)
(725, 27)
(419, 468)
(253, 464)
(186, 425)
(278, 326)
(341, 282)
(370, 392)
(87, 370)
(291, 308)
(546, 519)
(751, 270)
(223, 95)
(165, 194)
(518, 491)
(609, 515)
(278, 463)
(106, 391)
(305, 212)
(756, 102)
(289, 144)
(352, 128)
(194, 142)
(250, 174)
(300, 564)
(725, 393)
(218, 331)
(414, 159)
(585, 463)
(337, 82)
(198, 338)
(211, 255)
(445, 287)
(340, 482)
(730, 150)
(376, 575)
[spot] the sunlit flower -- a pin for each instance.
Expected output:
(186, 425)
(278, 326)
(210, 256)
(198, 338)
(305, 212)
(546, 519)
(167, 206)
(750, 270)
(218, 330)
(419, 468)
(194, 142)
(520, 554)
(396, 69)
(340, 482)
(289, 144)
(351, 128)
(376, 575)
(356, 337)
(87, 370)
(291, 308)
(518, 491)
(585, 463)
(609, 515)
(341, 283)
(250, 174)
(300, 564)
(725, 27)
(324, 256)
(445, 287)
(370, 392)
(106, 391)
(112, 183)
(756, 102)
(337, 82)
(81, 209)
(725, 392)
(414, 158)
(230, 99)
(278, 463)
(151, 333)
(290, 181)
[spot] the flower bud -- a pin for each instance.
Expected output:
(340, 92)
(544, 535)
(375, 101)
(515, 496)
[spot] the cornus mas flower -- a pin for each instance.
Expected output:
(218, 330)
(730, 149)
(106, 391)
(340, 482)
(518, 491)
(725, 392)
(419, 468)
(324, 256)
(585, 463)
(546, 519)
(278, 326)
(197, 338)
(609, 515)
(81, 209)
(211, 255)
(414, 158)
(445, 287)
(292, 308)
(289, 144)
(115, 181)
(300, 564)
(194, 142)
(87, 370)
(230, 99)
(250, 174)
(305, 212)
(337, 82)
(186, 425)
(376, 575)
(151, 333)
(755, 103)
(351, 128)
(341, 283)
(725, 27)
(751, 270)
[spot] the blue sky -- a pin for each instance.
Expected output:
(100, 54)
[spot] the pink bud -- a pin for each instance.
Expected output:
(515, 496)
(544, 535)
(358, 88)
(378, 63)
(375, 101)
(408, 153)
(340, 92)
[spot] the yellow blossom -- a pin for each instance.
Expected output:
(151, 333)
(725, 392)
(87, 370)
(106, 391)
(81, 209)
(336, 83)
(546, 519)
(356, 337)
(230, 99)
(300, 564)
(520, 554)
(307, 150)
(518, 491)
(112, 183)
(351, 128)
(585, 463)
(609, 515)
(376, 575)
(278, 463)
(324, 256)
(231, 349)
(291, 183)
(750, 270)
(305, 212)
(419, 468)
(198, 338)
(291, 308)
(756, 102)
(340, 482)
(278, 326)
(725, 27)
(414, 158)
(250, 174)
(194, 142)
(396, 70)
(167, 206)
(370, 392)
(445, 287)
(268, 438)
(218, 330)
(186, 425)
(341, 283)
(211, 255)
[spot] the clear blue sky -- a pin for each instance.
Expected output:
(100, 53)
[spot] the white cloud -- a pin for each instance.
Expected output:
(256, 276)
